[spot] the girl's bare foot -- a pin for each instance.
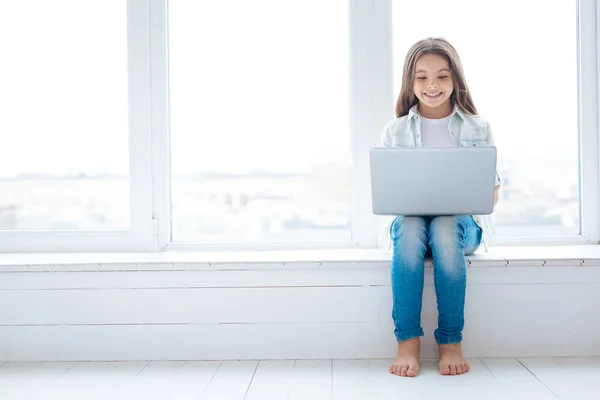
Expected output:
(452, 361)
(407, 361)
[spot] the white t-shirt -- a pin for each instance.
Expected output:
(434, 132)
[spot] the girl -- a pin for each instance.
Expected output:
(434, 108)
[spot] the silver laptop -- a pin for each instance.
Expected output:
(433, 181)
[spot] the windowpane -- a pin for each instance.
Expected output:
(259, 120)
(520, 62)
(64, 155)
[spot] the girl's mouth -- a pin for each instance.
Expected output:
(433, 96)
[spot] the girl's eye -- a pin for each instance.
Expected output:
(421, 78)
(442, 77)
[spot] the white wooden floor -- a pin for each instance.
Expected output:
(490, 378)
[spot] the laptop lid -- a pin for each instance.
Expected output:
(433, 181)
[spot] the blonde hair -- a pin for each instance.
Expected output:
(460, 96)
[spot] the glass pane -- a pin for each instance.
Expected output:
(259, 120)
(520, 62)
(64, 159)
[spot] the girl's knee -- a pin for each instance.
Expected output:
(445, 233)
(408, 227)
(409, 235)
(444, 225)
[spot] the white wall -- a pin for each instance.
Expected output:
(281, 311)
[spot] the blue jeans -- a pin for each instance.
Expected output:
(447, 240)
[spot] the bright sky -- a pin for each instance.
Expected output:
(271, 75)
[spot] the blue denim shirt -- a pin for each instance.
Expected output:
(463, 129)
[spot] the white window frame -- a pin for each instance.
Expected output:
(588, 15)
(141, 236)
(371, 107)
(370, 58)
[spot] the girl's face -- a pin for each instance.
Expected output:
(433, 86)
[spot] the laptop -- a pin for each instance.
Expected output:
(433, 181)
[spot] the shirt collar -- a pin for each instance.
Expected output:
(414, 112)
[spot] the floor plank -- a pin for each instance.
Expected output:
(92, 380)
(191, 380)
(516, 380)
(568, 378)
(151, 382)
(231, 381)
(272, 381)
(352, 380)
(312, 380)
(21, 380)
(585, 377)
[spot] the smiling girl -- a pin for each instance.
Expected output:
(434, 109)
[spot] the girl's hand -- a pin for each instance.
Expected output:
(496, 195)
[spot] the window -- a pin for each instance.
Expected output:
(259, 121)
(64, 162)
(520, 61)
(75, 127)
(149, 125)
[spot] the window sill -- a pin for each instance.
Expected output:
(498, 256)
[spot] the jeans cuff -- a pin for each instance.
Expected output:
(448, 339)
(407, 335)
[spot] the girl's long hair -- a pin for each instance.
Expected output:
(460, 95)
